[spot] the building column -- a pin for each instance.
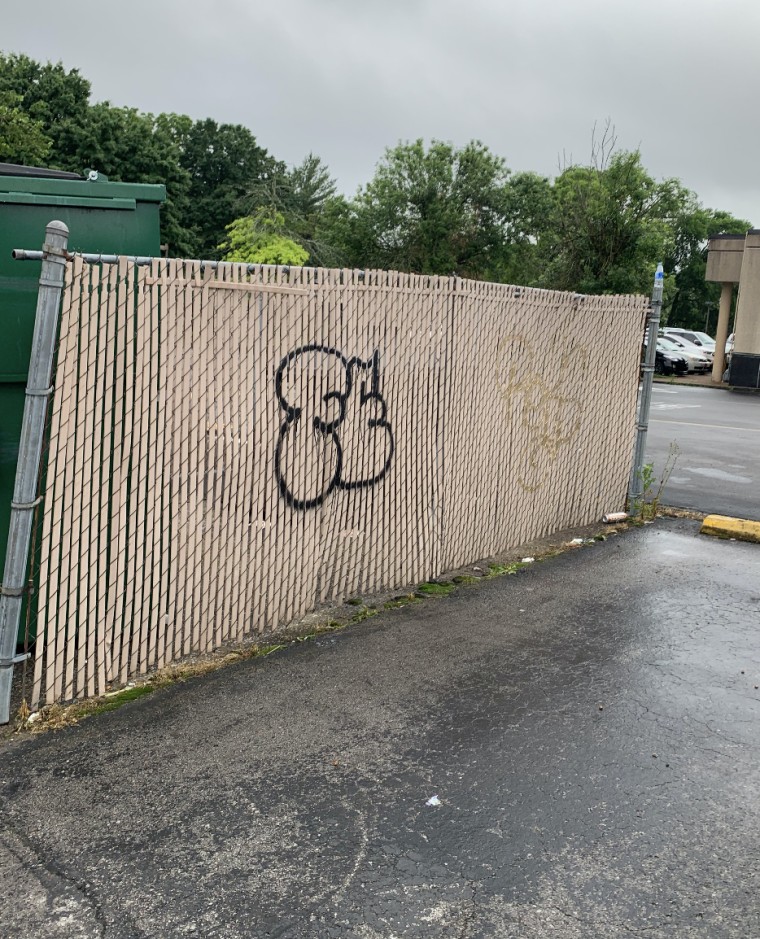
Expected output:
(719, 362)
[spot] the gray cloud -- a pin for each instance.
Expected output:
(347, 79)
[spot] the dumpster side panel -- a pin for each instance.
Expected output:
(23, 217)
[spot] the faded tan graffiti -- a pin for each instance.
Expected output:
(542, 407)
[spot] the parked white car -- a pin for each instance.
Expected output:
(693, 336)
(698, 360)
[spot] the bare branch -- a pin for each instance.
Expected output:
(603, 149)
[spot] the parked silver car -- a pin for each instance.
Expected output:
(698, 360)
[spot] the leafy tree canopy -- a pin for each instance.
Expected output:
(222, 161)
(438, 210)
(22, 139)
(693, 302)
(528, 211)
(55, 98)
(306, 199)
(609, 226)
(259, 240)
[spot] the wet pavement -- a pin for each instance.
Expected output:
(571, 751)
(718, 435)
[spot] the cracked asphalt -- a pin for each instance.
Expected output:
(590, 728)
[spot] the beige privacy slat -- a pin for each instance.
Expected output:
(46, 659)
(230, 449)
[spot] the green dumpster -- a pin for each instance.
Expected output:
(103, 218)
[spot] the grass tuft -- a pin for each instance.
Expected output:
(436, 588)
(497, 570)
(114, 702)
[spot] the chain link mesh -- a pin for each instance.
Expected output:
(229, 448)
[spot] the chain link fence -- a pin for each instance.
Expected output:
(230, 447)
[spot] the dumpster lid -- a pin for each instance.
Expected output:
(41, 182)
(16, 169)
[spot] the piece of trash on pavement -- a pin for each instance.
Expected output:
(611, 517)
(577, 541)
(528, 560)
(433, 800)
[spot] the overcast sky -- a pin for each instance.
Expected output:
(680, 79)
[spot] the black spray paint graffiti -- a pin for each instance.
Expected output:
(330, 438)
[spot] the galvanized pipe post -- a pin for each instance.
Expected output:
(636, 484)
(30, 450)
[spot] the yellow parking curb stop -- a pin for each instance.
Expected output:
(723, 526)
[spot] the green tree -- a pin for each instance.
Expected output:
(223, 161)
(205, 166)
(693, 300)
(436, 211)
(309, 198)
(305, 196)
(309, 187)
(610, 224)
(329, 245)
(56, 99)
(22, 139)
(528, 212)
(259, 239)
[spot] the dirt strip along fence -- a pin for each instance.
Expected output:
(230, 448)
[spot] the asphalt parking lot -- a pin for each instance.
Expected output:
(570, 751)
(718, 436)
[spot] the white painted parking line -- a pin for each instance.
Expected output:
(743, 430)
(712, 473)
(656, 406)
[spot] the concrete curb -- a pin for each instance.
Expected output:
(722, 526)
(701, 382)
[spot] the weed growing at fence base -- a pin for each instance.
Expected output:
(648, 505)
(498, 570)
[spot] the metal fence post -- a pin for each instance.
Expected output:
(30, 450)
(636, 485)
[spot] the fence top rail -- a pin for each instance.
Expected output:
(23, 254)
